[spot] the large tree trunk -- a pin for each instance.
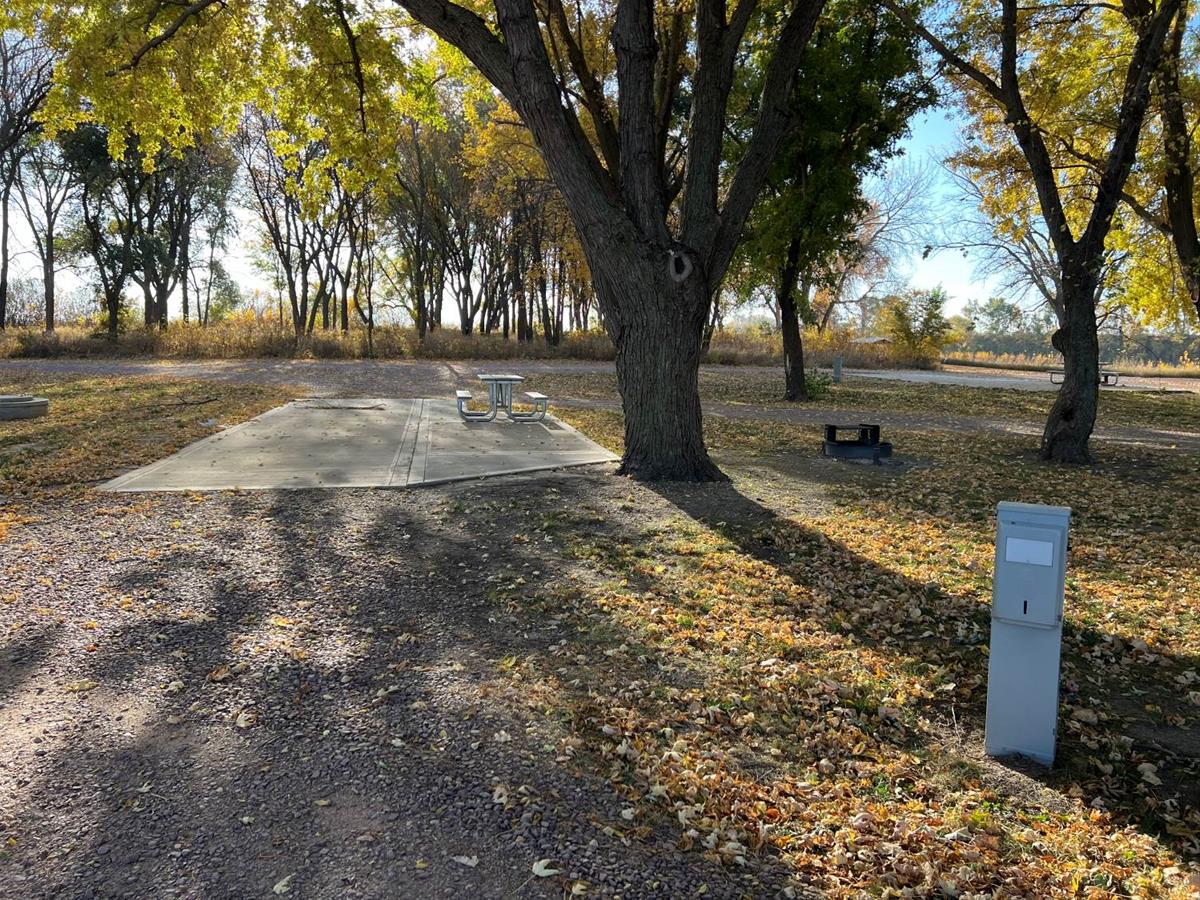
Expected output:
(112, 300)
(185, 268)
(658, 364)
(161, 295)
(149, 304)
(1073, 415)
(795, 387)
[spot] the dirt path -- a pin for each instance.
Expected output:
(429, 375)
(431, 378)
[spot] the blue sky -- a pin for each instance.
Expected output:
(933, 137)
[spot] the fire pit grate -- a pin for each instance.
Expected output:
(865, 445)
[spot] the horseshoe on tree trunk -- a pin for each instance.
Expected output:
(679, 273)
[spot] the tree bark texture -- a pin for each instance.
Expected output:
(658, 364)
(1179, 178)
(5, 196)
(48, 283)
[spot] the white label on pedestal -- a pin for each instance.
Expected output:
(1031, 553)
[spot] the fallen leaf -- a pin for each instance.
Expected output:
(542, 869)
(283, 885)
(1083, 714)
(468, 861)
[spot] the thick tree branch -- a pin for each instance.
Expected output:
(666, 81)
(641, 166)
(710, 93)
(942, 49)
(1135, 102)
(1033, 145)
(769, 131)
(1179, 178)
(463, 29)
(593, 97)
(736, 30)
(590, 191)
(355, 61)
(1007, 94)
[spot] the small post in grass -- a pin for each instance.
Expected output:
(1027, 617)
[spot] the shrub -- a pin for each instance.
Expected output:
(819, 384)
(916, 322)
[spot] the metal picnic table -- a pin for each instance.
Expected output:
(500, 397)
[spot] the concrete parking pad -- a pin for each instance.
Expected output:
(449, 449)
(323, 443)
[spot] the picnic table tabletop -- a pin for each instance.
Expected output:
(485, 376)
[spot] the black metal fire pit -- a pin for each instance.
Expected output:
(865, 445)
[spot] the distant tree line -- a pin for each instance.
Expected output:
(463, 229)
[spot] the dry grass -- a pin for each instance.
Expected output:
(245, 337)
(99, 426)
(867, 591)
(1185, 368)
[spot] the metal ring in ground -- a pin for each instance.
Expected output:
(29, 408)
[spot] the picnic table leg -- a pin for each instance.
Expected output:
(506, 389)
(495, 397)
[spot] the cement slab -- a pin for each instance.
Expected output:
(323, 443)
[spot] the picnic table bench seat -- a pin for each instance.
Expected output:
(540, 402)
(463, 398)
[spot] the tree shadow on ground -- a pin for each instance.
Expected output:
(388, 644)
(956, 643)
(311, 694)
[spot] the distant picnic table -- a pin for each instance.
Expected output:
(1108, 378)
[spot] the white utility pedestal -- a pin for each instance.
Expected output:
(1027, 616)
